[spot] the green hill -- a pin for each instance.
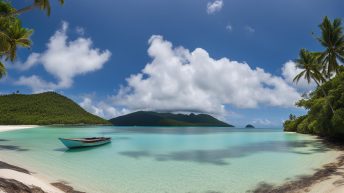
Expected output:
(43, 109)
(147, 118)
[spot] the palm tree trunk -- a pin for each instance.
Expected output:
(20, 11)
(23, 10)
(325, 95)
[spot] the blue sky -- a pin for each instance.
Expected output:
(264, 34)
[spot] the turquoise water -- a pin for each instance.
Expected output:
(166, 160)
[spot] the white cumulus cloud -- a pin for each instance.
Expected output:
(64, 59)
(181, 80)
(101, 108)
(214, 6)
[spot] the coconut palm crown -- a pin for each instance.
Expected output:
(332, 39)
(311, 68)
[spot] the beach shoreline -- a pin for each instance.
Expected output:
(4, 128)
(15, 179)
(328, 178)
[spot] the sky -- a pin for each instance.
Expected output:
(229, 58)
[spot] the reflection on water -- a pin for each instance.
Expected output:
(218, 156)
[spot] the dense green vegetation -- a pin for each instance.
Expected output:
(325, 104)
(12, 33)
(147, 118)
(320, 120)
(43, 109)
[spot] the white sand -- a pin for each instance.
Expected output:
(28, 180)
(15, 127)
(334, 184)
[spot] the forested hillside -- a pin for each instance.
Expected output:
(43, 109)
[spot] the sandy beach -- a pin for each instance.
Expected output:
(15, 127)
(333, 181)
(327, 179)
(14, 179)
(17, 177)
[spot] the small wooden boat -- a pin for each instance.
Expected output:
(84, 142)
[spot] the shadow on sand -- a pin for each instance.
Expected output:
(303, 182)
(4, 165)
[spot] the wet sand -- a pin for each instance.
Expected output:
(327, 179)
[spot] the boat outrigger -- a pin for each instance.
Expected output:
(84, 142)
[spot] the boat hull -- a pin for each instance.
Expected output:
(73, 143)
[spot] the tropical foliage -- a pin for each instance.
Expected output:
(320, 119)
(12, 34)
(43, 109)
(325, 104)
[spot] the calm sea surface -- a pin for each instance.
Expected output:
(166, 159)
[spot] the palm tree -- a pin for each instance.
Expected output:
(311, 70)
(12, 34)
(332, 38)
(41, 4)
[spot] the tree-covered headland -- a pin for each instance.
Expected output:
(44, 109)
(325, 105)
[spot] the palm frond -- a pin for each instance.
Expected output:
(332, 39)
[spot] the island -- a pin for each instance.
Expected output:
(249, 126)
(44, 109)
(149, 118)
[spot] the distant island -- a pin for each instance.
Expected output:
(249, 126)
(44, 109)
(148, 118)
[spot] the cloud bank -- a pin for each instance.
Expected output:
(64, 59)
(191, 81)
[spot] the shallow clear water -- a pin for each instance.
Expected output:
(166, 159)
